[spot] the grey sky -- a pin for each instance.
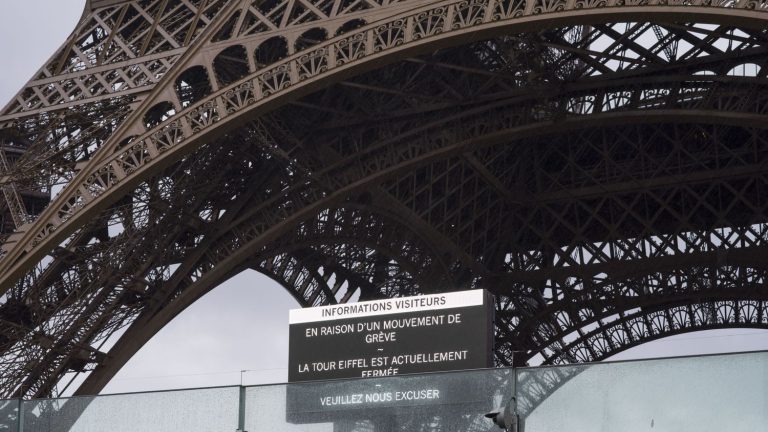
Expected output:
(242, 324)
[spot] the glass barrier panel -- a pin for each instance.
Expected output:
(696, 394)
(445, 402)
(693, 394)
(9, 415)
(201, 410)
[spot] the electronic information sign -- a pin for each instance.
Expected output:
(430, 333)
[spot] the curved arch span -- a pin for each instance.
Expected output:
(150, 322)
(663, 319)
(219, 266)
(171, 140)
(375, 45)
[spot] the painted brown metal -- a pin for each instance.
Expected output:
(599, 165)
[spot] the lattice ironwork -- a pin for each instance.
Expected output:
(605, 177)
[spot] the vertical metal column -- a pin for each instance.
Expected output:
(520, 418)
(20, 416)
(241, 411)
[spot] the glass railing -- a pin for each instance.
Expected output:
(723, 393)
(9, 415)
(200, 410)
(696, 394)
(439, 402)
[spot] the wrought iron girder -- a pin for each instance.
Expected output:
(116, 50)
(328, 229)
(322, 277)
(366, 226)
(312, 155)
(605, 296)
(250, 220)
(608, 301)
(297, 274)
(125, 277)
(453, 144)
(160, 302)
(176, 134)
(669, 319)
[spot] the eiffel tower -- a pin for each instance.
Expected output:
(599, 165)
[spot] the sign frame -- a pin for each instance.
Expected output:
(421, 334)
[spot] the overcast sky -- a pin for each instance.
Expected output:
(243, 324)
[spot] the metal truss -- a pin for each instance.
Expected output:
(600, 166)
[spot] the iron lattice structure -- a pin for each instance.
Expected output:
(599, 165)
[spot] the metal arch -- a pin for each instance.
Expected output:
(298, 276)
(725, 279)
(250, 239)
(162, 143)
(132, 63)
(582, 333)
(626, 328)
(193, 296)
(663, 321)
(110, 285)
(642, 93)
(386, 233)
(211, 284)
(630, 291)
(612, 276)
(111, 63)
(547, 127)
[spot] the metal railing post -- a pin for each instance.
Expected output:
(241, 411)
(20, 416)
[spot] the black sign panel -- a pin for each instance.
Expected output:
(441, 332)
(464, 393)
